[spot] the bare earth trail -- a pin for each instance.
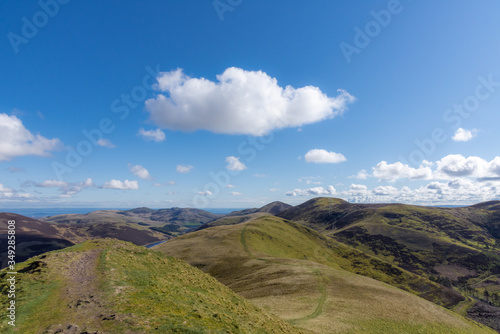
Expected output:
(322, 278)
(82, 297)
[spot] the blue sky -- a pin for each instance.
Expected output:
(239, 103)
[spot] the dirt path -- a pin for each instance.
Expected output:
(84, 301)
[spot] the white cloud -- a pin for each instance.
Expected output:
(156, 135)
(398, 170)
(105, 143)
(230, 186)
(274, 189)
(323, 156)
(239, 102)
(235, 193)
(16, 140)
(183, 169)
(260, 175)
(234, 163)
(205, 193)
(3, 189)
(122, 185)
(464, 135)
(316, 191)
(52, 183)
(456, 165)
(168, 183)
(362, 175)
(140, 171)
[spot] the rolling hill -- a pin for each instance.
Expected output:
(173, 221)
(454, 246)
(318, 283)
(110, 286)
(237, 217)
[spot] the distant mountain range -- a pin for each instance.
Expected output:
(323, 264)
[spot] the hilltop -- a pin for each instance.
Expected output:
(110, 286)
(241, 216)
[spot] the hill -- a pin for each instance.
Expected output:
(454, 246)
(312, 281)
(237, 217)
(109, 286)
(171, 221)
(35, 237)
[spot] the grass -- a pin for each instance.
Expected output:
(309, 280)
(139, 291)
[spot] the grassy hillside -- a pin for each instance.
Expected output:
(310, 281)
(109, 286)
(456, 247)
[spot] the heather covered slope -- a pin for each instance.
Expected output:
(311, 281)
(110, 286)
(172, 221)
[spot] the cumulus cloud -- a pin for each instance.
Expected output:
(183, 169)
(205, 193)
(235, 193)
(16, 140)
(362, 175)
(398, 170)
(239, 102)
(234, 163)
(315, 191)
(321, 156)
(67, 189)
(105, 143)
(464, 135)
(140, 172)
(122, 185)
(155, 135)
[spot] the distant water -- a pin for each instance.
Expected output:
(46, 212)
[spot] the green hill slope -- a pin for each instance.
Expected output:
(109, 286)
(310, 281)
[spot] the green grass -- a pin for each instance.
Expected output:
(309, 280)
(144, 291)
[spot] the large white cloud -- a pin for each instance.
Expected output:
(122, 185)
(239, 102)
(16, 140)
(323, 156)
